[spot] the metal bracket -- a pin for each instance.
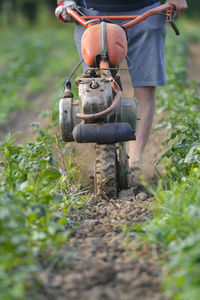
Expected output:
(104, 46)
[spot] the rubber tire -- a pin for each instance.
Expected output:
(123, 173)
(106, 171)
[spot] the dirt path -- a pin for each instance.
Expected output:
(21, 120)
(100, 265)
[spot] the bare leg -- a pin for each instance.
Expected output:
(146, 109)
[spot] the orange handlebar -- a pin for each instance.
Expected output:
(134, 19)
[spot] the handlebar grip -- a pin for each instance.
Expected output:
(175, 28)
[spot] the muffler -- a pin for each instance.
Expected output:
(103, 133)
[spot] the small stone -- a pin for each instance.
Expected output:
(126, 194)
(142, 196)
(57, 281)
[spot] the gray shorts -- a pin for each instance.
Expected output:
(146, 46)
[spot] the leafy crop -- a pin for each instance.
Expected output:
(180, 100)
(35, 200)
(34, 216)
(175, 226)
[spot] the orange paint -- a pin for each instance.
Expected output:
(116, 43)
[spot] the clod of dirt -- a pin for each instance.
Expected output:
(142, 196)
(126, 194)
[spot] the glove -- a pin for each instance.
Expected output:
(61, 13)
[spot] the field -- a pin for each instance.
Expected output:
(143, 244)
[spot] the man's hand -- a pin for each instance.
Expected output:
(181, 6)
(61, 13)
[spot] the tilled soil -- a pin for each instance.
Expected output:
(101, 265)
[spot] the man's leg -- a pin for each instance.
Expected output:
(146, 109)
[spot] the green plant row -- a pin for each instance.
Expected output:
(174, 228)
(33, 59)
(35, 205)
(35, 201)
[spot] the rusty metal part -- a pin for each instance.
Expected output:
(112, 107)
(113, 69)
(104, 113)
(67, 91)
(135, 19)
(128, 112)
(94, 84)
(104, 42)
(68, 109)
(95, 95)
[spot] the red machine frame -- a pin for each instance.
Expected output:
(134, 19)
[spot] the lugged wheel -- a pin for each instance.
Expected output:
(124, 176)
(106, 171)
(112, 170)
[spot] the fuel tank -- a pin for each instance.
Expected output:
(91, 44)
